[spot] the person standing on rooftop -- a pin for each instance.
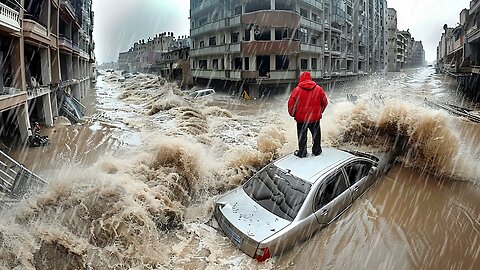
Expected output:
(306, 105)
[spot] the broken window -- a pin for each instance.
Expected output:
(212, 41)
(202, 64)
(303, 13)
(281, 62)
(314, 64)
(235, 37)
(237, 63)
(257, 5)
(303, 64)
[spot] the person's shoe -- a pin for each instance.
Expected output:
(296, 153)
(317, 154)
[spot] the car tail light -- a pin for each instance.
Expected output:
(262, 254)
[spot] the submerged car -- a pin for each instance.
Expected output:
(201, 93)
(291, 198)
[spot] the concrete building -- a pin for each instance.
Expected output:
(401, 51)
(417, 57)
(458, 52)
(46, 47)
(392, 39)
(143, 56)
(265, 44)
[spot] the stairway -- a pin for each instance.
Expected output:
(16, 180)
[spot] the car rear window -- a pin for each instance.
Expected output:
(277, 191)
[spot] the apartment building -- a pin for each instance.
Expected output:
(392, 39)
(143, 56)
(458, 52)
(46, 46)
(265, 44)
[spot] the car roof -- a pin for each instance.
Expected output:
(308, 168)
(204, 90)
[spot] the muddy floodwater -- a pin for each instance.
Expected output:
(133, 186)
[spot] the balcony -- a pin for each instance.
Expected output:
(474, 6)
(315, 25)
(35, 31)
(65, 44)
(9, 19)
(216, 50)
(215, 26)
(208, 74)
(12, 98)
(67, 7)
(272, 18)
(271, 47)
(310, 48)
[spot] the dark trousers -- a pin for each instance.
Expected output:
(302, 137)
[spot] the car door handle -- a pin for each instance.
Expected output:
(324, 212)
(355, 188)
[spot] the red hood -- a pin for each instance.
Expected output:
(306, 82)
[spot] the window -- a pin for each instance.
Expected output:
(303, 13)
(202, 44)
(332, 187)
(238, 10)
(281, 62)
(247, 63)
(215, 64)
(303, 64)
(357, 171)
(303, 35)
(202, 21)
(237, 63)
(313, 40)
(212, 41)
(202, 64)
(278, 192)
(315, 17)
(314, 64)
(235, 37)
(247, 34)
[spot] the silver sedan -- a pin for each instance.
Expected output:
(291, 198)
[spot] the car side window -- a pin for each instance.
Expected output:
(330, 189)
(357, 171)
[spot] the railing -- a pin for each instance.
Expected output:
(69, 7)
(9, 17)
(16, 179)
(65, 42)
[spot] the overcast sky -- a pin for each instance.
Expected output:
(119, 23)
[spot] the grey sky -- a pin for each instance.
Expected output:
(119, 23)
(425, 19)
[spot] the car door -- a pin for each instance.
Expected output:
(360, 177)
(332, 197)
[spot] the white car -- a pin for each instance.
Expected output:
(290, 199)
(201, 93)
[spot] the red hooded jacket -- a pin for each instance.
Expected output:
(307, 101)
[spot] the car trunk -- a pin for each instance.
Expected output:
(245, 222)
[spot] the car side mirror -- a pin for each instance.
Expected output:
(373, 170)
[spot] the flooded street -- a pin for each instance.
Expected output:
(134, 185)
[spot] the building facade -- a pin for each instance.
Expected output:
(266, 43)
(392, 39)
(458, 51)
(46, 46)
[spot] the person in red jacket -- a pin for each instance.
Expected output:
(306, 104)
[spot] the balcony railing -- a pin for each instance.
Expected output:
(9, 18)
(65, 43)
(68, 7)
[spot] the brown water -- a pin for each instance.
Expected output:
(133, 187)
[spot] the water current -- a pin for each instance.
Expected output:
(133, 186)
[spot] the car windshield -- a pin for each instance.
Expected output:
(193, 94)
(277, 191)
